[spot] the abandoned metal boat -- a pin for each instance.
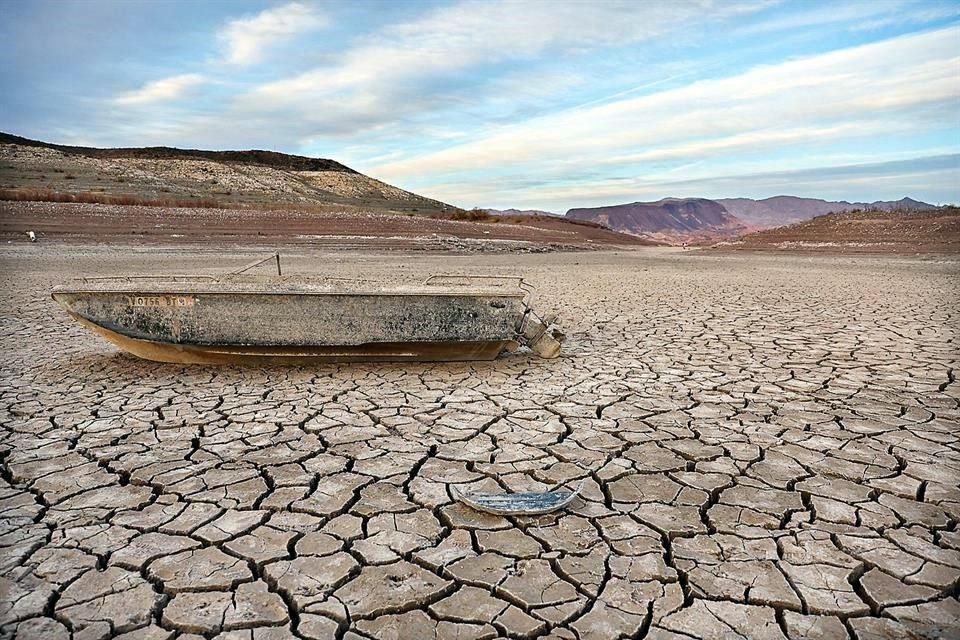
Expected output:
(527, 503)
(239, 317)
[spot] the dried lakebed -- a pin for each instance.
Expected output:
(769, 447)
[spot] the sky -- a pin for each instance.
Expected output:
(543, 104)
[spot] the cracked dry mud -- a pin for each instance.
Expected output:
(769, 447)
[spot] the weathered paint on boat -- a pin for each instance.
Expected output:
(242, 354)
(202, 319)
(528, 503)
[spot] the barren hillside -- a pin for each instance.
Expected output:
(863, 231)
(34, 170)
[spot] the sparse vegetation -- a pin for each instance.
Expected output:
(473, 215)
(94, 197)
(240, 180)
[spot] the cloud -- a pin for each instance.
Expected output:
(823, 97)
(161, 90)
(931, 177)
(245, 39)
(476, 102)
(396, 71)
(936, 175)
(859, 16)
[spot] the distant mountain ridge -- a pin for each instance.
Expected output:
(670, 219)
(681, 220)
(781, 210)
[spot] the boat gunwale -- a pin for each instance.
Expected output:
(297, 284)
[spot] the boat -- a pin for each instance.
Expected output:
(240, 317)
(526, 503)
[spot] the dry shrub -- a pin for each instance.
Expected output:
(473, 215)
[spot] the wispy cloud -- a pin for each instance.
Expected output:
(390, 73)
(161, 90)
(826, 97)
(859, 16)
(246, 39)
(932, 176)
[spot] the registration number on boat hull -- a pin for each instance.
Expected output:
(161, 301)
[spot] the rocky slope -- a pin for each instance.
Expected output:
(671, 220)
(29, 167)
(863, 231)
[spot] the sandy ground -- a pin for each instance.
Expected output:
(769, 447)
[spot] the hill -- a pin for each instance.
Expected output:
(781, 210)
(34, 170)
(671, 220)
(259, 157)
(868, 230)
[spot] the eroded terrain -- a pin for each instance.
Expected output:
(769, 448)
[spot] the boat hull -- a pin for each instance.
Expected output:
(302, 355)
(193, 325)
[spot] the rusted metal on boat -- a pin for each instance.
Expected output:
(238, 317)
(525, 503)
